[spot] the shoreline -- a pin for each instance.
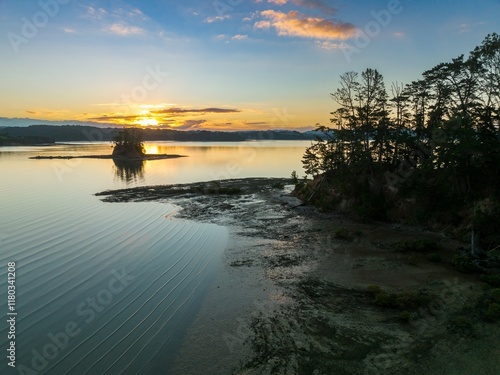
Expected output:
(292, 298)
(120, 158)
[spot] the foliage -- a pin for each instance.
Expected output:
(405, 316)
(215, 189)
(493, 280)
(342, 234)
(373, 289)
(464, 263)
(128, 142)
(403, 301)
(486, 220)
(419, 246)
(278, 185)
(7, 140)
(489, 305)
(436, 140)
(412, 260)
(433, 257)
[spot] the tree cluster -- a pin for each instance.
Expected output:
(438, 135)
(128, 143)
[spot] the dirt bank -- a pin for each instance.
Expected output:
(301, 292)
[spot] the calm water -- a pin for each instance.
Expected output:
(110, 288)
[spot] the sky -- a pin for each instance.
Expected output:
(216, 64)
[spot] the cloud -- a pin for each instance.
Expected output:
(128, 118)
(296, 24)
(217, 18)
(240, 37)
(162, 116)
(69, 30)
(262, 25)
(329, 45)
(312, 4)
(190, 125)
(123, 21)
(130, 13)
(123, 30)
(94, 13)
(256, 123)
(316, 4)
(177, 111)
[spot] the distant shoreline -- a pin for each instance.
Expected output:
(78, 133)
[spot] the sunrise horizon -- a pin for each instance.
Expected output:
(239, 65)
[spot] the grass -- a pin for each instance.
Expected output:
(404, 301)
(419, 246)
(405, 316)
(342, 234)
(464, 263)
(412, 260)
(434, 257)
(214, 189)
(489, 305)
(373, 289)
(278, 185)
(493, 280)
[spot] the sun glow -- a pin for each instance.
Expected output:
(151, 149)
(148, 122)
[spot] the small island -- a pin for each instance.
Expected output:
(128, 146)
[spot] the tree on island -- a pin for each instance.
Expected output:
(128, 144)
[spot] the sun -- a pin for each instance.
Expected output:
(148, 121)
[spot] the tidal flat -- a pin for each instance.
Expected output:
(306, 292)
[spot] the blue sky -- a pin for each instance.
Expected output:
(223, 64)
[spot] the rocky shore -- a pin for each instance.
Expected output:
(305, 292)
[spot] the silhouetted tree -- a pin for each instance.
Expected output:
(445, 126)
(128, 142)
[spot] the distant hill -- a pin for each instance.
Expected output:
(77, 133)
(25, 122)
(7, 140)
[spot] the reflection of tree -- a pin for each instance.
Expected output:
(129, 170)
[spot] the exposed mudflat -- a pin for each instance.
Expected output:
(302, 292)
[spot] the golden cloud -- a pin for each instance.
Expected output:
(294, 23)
